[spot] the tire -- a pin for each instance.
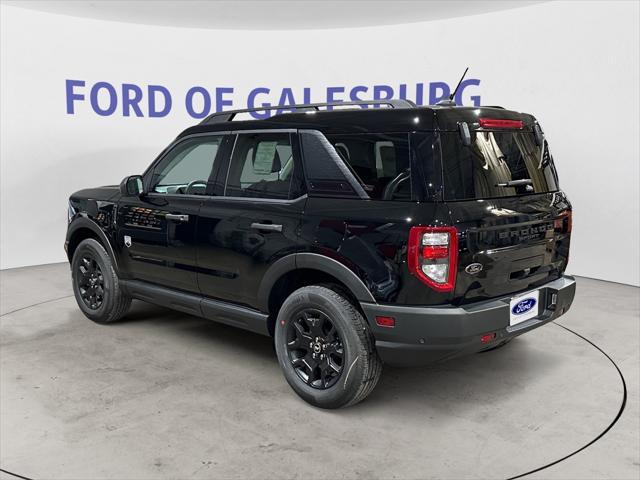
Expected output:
(96, 285)
(346, 368)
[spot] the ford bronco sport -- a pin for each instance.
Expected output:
(377, 232)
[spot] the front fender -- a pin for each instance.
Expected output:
(76, 231)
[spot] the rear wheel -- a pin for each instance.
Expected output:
(325, 349)
(96, 285)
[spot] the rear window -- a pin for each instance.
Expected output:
(496, 164)
(380, 162)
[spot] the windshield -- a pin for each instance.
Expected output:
(495, 164)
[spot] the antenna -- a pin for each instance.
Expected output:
(458, 86)
(450, 100)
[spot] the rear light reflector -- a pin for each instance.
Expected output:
(499, 123)
(487, 337)
(563, 223)
(433, 256)
(388, 322)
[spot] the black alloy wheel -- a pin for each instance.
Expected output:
(96, 285)
(315, 349)
(90, 282)
(325, 348)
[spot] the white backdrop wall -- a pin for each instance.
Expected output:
(572, 64)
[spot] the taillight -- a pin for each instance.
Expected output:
(433, 256)
(500, 123)
(563, 222)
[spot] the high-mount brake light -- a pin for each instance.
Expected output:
(500, 123)
(433, 256)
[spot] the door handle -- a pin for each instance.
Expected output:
(177, 218)
(271, 227)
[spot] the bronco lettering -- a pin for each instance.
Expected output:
(527, 233)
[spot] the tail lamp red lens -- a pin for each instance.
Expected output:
(500, 123)
(563, 223)
(433, 256)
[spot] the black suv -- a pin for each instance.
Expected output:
(377, 232)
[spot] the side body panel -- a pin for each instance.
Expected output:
(154, 244)
(236, 246)
(370, 239)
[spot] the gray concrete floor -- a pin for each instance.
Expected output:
(165, 395)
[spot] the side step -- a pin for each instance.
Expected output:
(193, 304)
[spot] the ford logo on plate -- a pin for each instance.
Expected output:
(523, 306)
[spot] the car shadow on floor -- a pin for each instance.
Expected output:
(253, 345)
(459, 383)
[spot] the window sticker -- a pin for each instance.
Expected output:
(263, 161)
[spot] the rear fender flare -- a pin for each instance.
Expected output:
(316, 262)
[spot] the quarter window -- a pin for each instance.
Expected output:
(380, 163)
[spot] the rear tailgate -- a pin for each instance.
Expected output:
(508, 245)
(501, 189)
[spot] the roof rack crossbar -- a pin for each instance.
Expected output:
(227, 116)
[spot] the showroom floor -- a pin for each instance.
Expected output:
(166, 395)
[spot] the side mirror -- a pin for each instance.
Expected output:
(132, 186)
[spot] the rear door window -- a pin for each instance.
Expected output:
(496, 164)
(380, 162)
(263, 166)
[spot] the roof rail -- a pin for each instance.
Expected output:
(221, 117)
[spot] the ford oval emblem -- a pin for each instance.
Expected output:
(473, 268)
(523, 306)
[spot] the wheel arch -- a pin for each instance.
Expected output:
(298, 270)
(83, 228)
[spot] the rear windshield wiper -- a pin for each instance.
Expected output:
(515, 183)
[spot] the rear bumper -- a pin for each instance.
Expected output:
(424, 335)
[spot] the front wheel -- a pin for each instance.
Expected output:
(96, 285)
(325, 349)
